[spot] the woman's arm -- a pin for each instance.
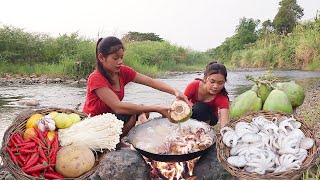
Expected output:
(156, 84)
(224, 117)
(119, 107)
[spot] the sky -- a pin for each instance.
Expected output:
(195, 24)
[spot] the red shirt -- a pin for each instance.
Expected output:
(93, 104)
(219, 102)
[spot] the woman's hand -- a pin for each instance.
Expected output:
(183, 97)
(165, 112)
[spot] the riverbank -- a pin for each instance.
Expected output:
(310, 112)
(8, 79)
(310, 109)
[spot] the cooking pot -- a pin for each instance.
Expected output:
(142, 129)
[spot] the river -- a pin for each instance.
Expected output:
(70, 96)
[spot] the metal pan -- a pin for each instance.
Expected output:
(141, 130)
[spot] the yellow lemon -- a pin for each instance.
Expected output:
(75, 117)
(53, 114)
(63, 120)
(51, 135)
(33, 120)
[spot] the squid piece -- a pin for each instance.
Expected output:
(289, 145)
(250, 138)
(244, 127)
(260, 121)
(230, 138)
(284, 126)
(237, 161)
(287, 162)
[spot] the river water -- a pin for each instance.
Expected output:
(70, 96)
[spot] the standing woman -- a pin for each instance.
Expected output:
(105, 86)
(208, 95)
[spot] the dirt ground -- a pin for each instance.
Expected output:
(310, 112)
(310, 109)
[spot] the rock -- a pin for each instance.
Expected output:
(208, 167)
(9, 177)
(121, 164)
(82, 81)
(28, 102)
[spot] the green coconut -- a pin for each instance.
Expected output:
(180, 111)
(294, 92)
(244, 103)
(278, 101)
(263, 90)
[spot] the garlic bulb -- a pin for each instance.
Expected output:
(45, 123)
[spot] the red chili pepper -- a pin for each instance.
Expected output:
(53, 152)
(32, 161)
(12, 140)
(27, 158)
(52, 175)
(36, 174)
(38, 141)
(41, 153)
(20, 162)
(16, 139)
(36, 168)
(55, 139)
(13, 157)
(40, 135)
(22, 157)
(19, 138)
(26, 151)
(43, 161)
(15, 150)
(26, 144)
(10, 144)
(27, 147)
(45, 133)
(53, 159)
(28, 140)
(49, 142)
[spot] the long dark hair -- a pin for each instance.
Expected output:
(216, 68)
(107, 46)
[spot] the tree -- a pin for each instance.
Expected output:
(246, 32)
(137, 36)
(267, 27)
(287, 17)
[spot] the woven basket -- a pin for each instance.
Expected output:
(19, 126)
(223, 151)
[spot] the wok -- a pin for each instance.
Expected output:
(141, 130)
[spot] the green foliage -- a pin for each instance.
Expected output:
(71, 56)
(17, 46)
(161, 56)
(300, 49)
(246, 33)
(266, 47)
(137, 36)
(267, 27)
(287, 17)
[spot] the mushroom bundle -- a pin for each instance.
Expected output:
(265, 146)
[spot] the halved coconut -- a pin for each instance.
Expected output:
(181, 111)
